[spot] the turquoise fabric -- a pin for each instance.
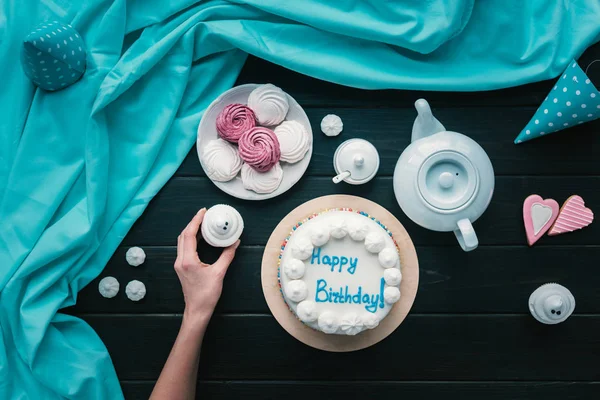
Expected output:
(78, 166)
(572, 101)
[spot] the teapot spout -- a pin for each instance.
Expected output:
(425, 124)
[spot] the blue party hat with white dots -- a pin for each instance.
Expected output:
(573, 100)
(53, 56)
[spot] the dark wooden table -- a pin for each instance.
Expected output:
(469, 335)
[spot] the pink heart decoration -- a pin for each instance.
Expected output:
(573, 215)
(538, 216)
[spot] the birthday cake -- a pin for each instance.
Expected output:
(340, 272)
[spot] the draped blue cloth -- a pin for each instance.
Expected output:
(79, 166)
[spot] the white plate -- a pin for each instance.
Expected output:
(207, 131)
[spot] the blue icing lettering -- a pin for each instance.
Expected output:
(321, 285)
(334, 261)
(316, 256)
(353, 264)
(325, 294)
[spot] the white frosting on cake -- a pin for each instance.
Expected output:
(294, 141)
(262, 182)
(388, 257)
(221, 160)
(294, 268)
(358, 230)
(331, 125)
(374, 242)
(269, 103)
(345, 287)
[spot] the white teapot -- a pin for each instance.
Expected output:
(443, 180)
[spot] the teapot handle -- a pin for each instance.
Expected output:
(465, 234)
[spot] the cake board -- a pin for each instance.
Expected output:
(317, 339)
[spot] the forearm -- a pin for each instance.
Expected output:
(178, 378)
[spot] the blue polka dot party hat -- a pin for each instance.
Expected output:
(573, 100)
(53, 56)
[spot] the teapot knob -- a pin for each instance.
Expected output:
(446, 180)
(359, 160)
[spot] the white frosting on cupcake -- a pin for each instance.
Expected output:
(307, 311)
(135, 290)
(328, 322)
(319, 235)
(294, 268)
(296, 290)
(135, 256)
(351, 324)
(388, 257)
(269, 103)
(370, 320)
(339, 228)
(374, 242)
(302, 248)
(358, 230)
(221, 160)
(332, 125)
(392, 276)
(391, 294)
(294, 141)
(262, 182)
(109, 287)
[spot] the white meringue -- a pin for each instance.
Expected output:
(221, 160)
(374, 242)
(261, 182)
(269, 103)
(222, 226)
(338, 227)
(294, 268)
(391, 294)
(108, 287)
(135, 256)
(370, 320)
(392, 276)
(296, 290)
(135, 290)
(332, 125)
(302, 248)
(351, 324)
(319, 235)
(388, 257)
(358, 231)
(294, 141)
(307, 311)
(328, 322)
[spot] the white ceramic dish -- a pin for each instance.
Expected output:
(207, 131)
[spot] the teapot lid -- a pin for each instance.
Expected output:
(359, 158)
(447, 180)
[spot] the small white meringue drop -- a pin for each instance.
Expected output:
(358, 231)
(374, 242)
(391, 294)
(135, 290)
(135, 256)
(332, 125)
(296, 290)
(294, 268)
(388, 257)
(351, 324)
(109, 287)
(328, 322)
(319, 235)
(370, 320)
(338, 227)
(307, 311)
(392, 276)
(302, 248)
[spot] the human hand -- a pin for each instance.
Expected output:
(201, 283)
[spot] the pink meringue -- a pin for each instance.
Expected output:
(259, 148)
(234, 120)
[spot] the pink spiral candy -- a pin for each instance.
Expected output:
(259, 148)
(234, 120)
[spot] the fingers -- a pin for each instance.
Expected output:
(178, 260)
(189, 239)
(226, 258)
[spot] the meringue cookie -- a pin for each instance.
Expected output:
(234, 120)
(319, 235)
(296, 290)
(270, 104)
(294, 141)
(391, 294)
(388, 257)
(259, 148)
(221, 160)
(262, 182)
(374, 242)
(351, 324)
(370, 320)
(338, 228)
(392, 276)
(332, 125)
(302, 248)
(222, 225)
(328, 322)
(135, 256)
(294, 269)
(358, 231)
(108, 287)
(135, 290)
(307, 311)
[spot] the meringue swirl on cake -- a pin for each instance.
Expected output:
(262, 182)
(221, 160)
(270, 104)
(259, 148)
(234, 120)
(294, 141)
